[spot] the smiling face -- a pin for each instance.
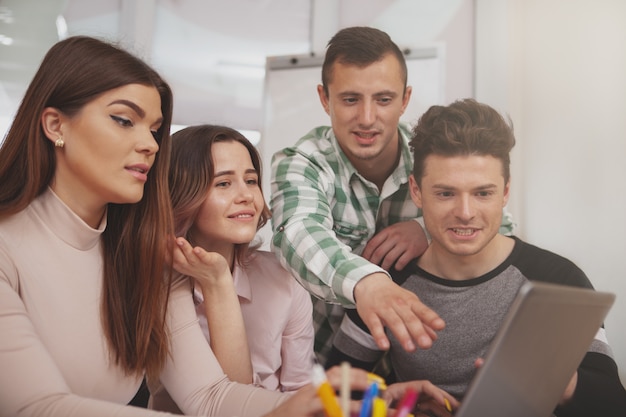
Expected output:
(462, 198)
(365, 105)
(109, 148)
(233, 205)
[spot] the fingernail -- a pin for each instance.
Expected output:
(425, 341)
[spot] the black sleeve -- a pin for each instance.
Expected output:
(336, 356)
(538, 264)
(599, 391)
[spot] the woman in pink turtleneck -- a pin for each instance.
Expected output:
(84, 220)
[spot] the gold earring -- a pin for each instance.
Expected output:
(59, 143)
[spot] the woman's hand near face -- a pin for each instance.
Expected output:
(210, 269)
(221, 307)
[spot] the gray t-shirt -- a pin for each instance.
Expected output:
(473, 311)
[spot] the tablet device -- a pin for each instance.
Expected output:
(542, 340)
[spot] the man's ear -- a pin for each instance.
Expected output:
(416, 192)
(52, 123)
(507, 189)
(406, 98)
(323, 98)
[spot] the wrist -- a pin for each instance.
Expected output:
(366, 284)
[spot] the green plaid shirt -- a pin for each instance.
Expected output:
(323, 214)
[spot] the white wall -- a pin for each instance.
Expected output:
(559, 68)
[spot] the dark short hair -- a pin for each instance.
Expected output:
(360, 46)
(465, 127)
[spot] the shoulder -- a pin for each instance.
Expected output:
(8, 269)
(543, 265)
(17, 232)
(265, 265)
(264, 270)
(14, 223)
(405, 130)
(317, 142)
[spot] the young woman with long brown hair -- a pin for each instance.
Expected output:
(86, 308)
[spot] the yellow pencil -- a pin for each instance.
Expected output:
(379, 408)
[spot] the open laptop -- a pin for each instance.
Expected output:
(542, 340)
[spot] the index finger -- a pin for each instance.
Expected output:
(417, 322)
(422, 323)
(372, 245)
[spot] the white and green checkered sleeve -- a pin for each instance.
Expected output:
(304, 237)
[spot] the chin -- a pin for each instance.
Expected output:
(129, 199)
(243, 239)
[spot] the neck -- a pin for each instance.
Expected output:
(377, 170)
(439, 262)
(91, 214)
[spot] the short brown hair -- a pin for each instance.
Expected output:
(360, 46)
(465, 127)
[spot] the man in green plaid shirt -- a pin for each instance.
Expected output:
(342, 214)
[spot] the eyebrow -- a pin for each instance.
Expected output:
(130, 104)
(140, 112)
(479, 188)
(378, 94)
(231, 172)
(386, 93)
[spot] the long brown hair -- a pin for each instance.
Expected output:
(192, 173)
(74, 72)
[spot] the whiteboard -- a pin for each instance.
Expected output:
(291, 106)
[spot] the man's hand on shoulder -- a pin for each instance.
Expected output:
(396, 245)
(382, 303)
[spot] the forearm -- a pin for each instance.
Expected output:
(227, 332)
(311, 237)
(297, 341)
(322, 264)
(598, 390)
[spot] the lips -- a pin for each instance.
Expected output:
(366, 135)
(242, 215)
(464, 231)
(139, 171)
(365, 138)
(143, 171)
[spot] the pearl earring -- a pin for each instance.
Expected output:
(59, 143)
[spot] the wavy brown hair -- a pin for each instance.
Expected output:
(73, 73)
(192, 172)
(465, 127)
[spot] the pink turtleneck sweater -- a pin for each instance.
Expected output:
(54, 358)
